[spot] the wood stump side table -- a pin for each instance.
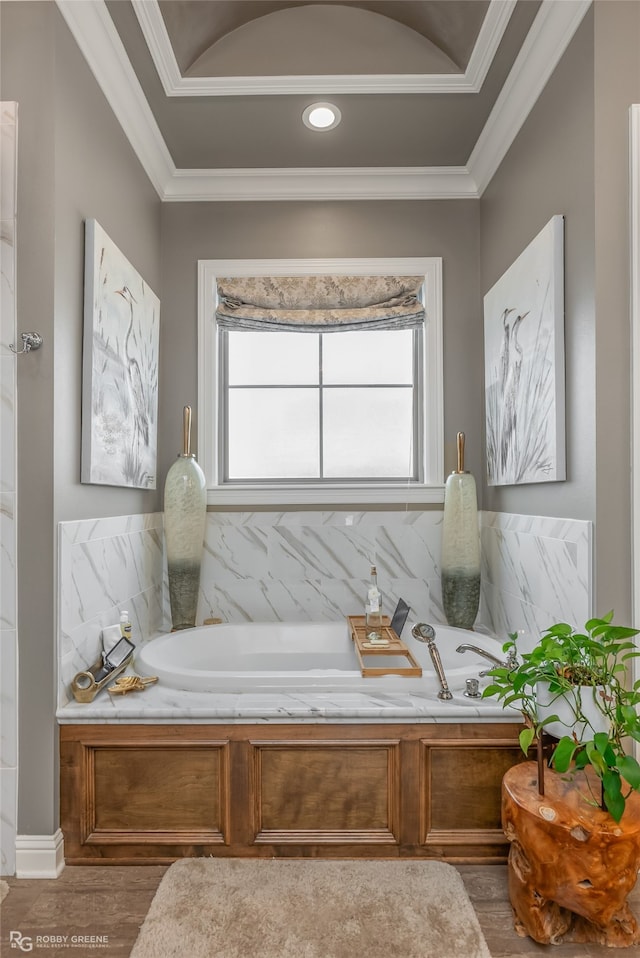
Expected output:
(571, 866)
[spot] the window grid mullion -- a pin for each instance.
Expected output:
(227, 388)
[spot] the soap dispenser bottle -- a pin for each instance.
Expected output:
(125, 625)
(373, 609)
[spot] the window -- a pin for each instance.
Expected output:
(320, 417)
(318, 406)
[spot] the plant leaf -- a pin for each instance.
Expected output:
(581, 759)
(613, 797)
(563, 753)
(526, 738)
(596, 759)
(629, 768)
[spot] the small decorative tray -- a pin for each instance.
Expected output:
(394, 647)
(84, 685)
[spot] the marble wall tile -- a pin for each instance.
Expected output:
(8, 819)
(8, 699)
(321, 551)
(104, 566)
(306, 566)
(7, 418)
(8, 486)
(7, 287)
(81, 648)
(315, 565)
(536, 570)
(7, 560)
(235, 552)
(8, 144)
(8, 131)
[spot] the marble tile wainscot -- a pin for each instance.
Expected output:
(314, 566)
(105, 565)
(536, 570)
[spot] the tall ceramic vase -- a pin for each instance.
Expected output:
(185, 508)
(460, 547)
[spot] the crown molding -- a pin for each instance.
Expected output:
(349, 183)
(174, 84)
(550, 34)
(98, 39)
(488, 41)
(544, 45)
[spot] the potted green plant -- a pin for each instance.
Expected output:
(577, 686)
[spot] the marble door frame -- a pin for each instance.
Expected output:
(8, 494)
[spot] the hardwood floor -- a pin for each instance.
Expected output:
(98, 901)
(112, 901)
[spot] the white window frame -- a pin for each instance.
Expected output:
(323, 493)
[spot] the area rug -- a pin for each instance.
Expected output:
(274, 908)
(4, 889)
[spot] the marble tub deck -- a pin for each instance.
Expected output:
(158, 704)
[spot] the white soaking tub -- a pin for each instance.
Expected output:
(289, 656)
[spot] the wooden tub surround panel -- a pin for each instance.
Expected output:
(317, 792)
(184, 787)
(155, 793)
(477, 772)
(176, 794)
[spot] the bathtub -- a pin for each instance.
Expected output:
(289, 656)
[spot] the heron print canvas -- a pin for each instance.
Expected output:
(524, 365)
(120, 368)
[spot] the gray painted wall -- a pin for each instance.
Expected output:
(73, 162)
(548, 170)
(97, 175)
(30, 31)
(571, 157)
(193, 231)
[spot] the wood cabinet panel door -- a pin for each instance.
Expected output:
(317, 792)
(176, 794)
(462, 791)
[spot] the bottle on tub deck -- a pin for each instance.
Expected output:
(125, 625)
(373, 610)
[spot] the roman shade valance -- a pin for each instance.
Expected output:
(319, 303)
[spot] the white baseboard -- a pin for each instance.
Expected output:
(39, 856)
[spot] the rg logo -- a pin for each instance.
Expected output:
(18, 940)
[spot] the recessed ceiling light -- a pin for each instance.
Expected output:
(321, 116)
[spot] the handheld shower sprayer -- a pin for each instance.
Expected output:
(426, 633)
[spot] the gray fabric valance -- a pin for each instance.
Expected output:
(319, 303)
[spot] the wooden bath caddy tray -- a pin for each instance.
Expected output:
(395, 648)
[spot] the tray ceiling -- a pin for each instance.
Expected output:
(211, 92)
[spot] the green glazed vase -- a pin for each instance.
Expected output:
(185, 509)
(460, 568)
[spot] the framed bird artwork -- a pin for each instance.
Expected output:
(524, 365)
(120, 368)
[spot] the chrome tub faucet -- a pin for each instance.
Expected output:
(510, 662)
